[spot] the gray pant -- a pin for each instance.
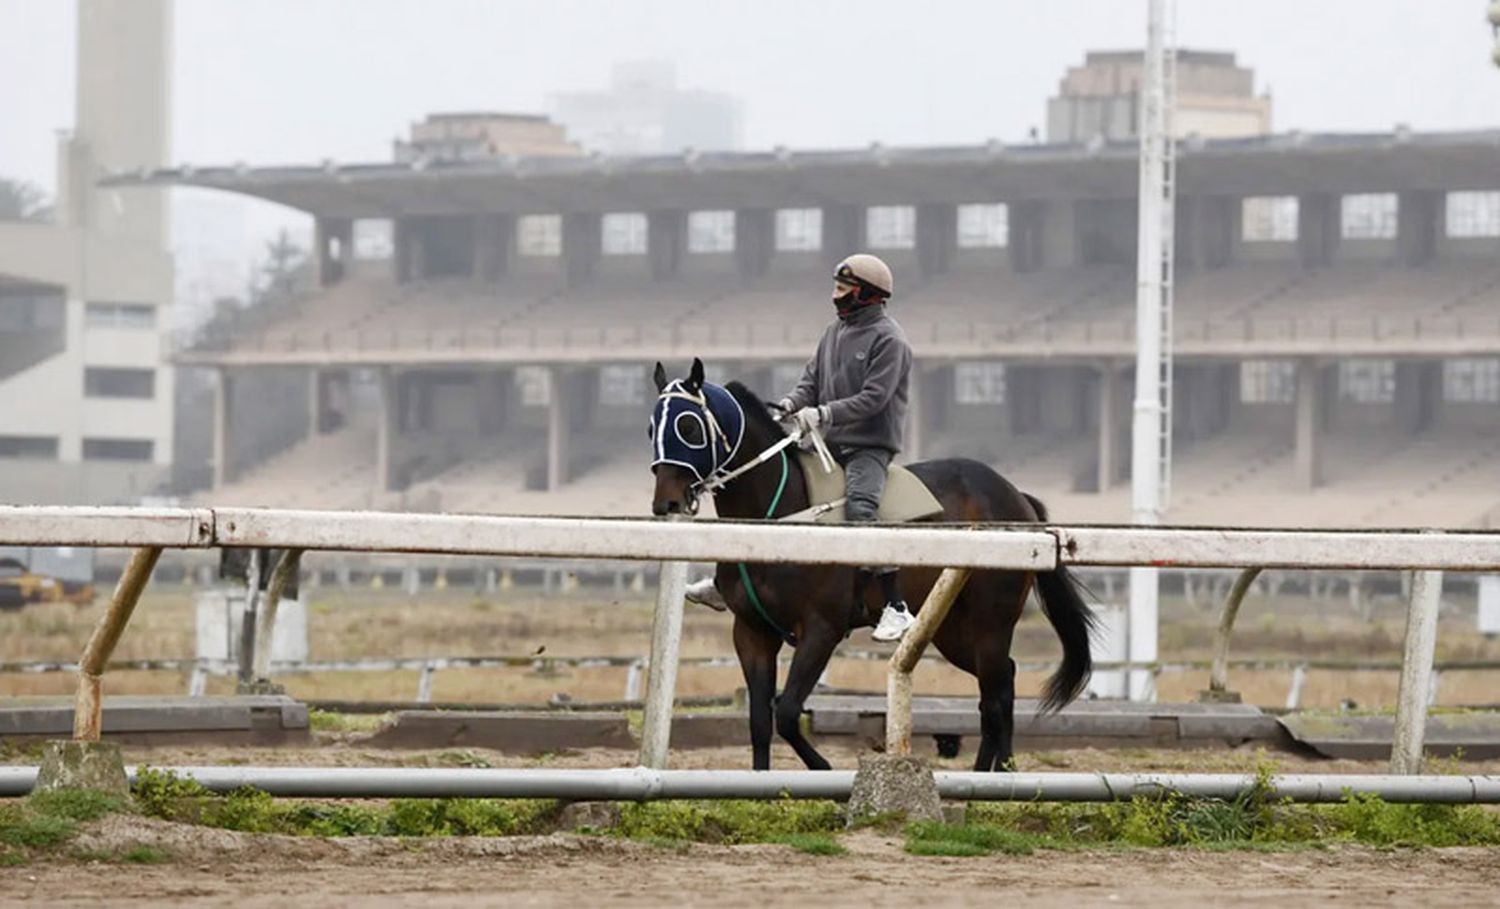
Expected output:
(864, 482)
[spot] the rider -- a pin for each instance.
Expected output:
(854, 391)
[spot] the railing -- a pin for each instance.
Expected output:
(675, 543)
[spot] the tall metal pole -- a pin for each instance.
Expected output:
(1150, 416)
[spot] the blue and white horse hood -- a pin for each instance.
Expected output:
(695, 424)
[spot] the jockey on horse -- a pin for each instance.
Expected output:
(854, 391)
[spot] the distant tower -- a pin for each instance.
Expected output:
(122, 119)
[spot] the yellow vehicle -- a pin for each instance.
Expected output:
(19, 586)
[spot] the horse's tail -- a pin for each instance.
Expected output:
(1073, 620)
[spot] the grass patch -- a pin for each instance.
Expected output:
(145, 855)
(729, 821)
(812, 843)
(971, 839)
(332, 721)
(46, 820)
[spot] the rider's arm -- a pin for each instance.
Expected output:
(890, 362)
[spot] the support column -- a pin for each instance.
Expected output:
(223, 396)
(937, 237)
(1310, 419)
(1419, 223)
(843, 232)
(666, 242)
(410, 253)
(1027, 228)
(314, 401)
(1318, 228)
(494, 244)
(333, 244)
(1109, 425)
(582, 245)
(558, 428)
(1419, 390)
(387, 429)
(912, 444)
(754, 241)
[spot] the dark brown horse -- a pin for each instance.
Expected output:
(811, 606)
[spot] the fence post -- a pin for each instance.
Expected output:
(88, 715)
(661, 680)
(904, 660)
(265, 631)
(1218, 676)
(1416, 672)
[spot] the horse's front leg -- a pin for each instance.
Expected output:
(757, 649)
(813, 652)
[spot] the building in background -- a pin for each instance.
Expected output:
(483, 135)
(1215, 98)
(643, 112)
(85, 394)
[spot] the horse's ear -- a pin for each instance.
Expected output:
(660, 375)
(695, 376)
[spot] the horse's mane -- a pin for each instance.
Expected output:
(755, 409)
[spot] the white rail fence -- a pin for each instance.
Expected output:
(675, 543)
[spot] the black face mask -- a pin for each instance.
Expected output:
(847, 304)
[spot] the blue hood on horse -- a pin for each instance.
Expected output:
(696, 427)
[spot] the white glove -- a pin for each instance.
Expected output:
(786, 408)
(810, 418)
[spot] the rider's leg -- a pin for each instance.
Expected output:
(864, 483)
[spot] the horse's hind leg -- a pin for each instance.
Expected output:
(807, 666)
(757, 651)
(997, 710)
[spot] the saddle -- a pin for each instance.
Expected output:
(906, 498)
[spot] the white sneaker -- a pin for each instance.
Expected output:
(704, 593)
(893, 623)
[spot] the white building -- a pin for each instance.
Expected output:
(85, 395)
(644, 113)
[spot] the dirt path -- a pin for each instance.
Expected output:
(216, 868)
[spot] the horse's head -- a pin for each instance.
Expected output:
(696, 429)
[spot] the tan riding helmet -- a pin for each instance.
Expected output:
(867, 272)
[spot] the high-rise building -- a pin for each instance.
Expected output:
(85, 393)
(643, 112)
(1215, 98)
(480, 135)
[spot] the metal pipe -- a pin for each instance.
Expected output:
(1416, 672)
(88, 714)
(1218, 676)
(643, 784)
(898, 677)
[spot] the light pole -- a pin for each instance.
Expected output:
(1495, 27)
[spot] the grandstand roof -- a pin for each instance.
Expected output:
(1270, 165)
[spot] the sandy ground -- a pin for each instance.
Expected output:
(217, 868)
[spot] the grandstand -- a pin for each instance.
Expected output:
(1337, 318)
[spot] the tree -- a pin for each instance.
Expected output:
(21, 201)
(279, 271)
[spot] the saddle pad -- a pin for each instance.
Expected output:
(906, 498)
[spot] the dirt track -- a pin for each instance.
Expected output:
(217, 868)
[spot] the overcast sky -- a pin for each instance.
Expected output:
(301, 80)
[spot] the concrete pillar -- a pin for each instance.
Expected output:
(1318, 228)
(559, 428)
(582, 244)
(1419, 223)
(666, 242)
(410, 253)
(1206, 231)
(387, 428)
(1109, 425)
(494, 245)
(1060, 236)
(754, 241)
(1418, 394)
(843, 232)
(333, 244)
(1310, 420)
(1028, 221)
(223, 397)
(937, 237)
(315, 420)
(912, 445)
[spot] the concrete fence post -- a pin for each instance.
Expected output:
(1416, 672)
(898, 678)
(88, 717)
(661, 680)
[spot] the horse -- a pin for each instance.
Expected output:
(711, 438)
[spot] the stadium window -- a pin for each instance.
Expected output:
(33, 447)
(535, 384)
(117, 449)
(539, 235)
(891, 226)
(623, 234)
(799, 229)
(1368, 216)
(1472, 380)
(1268, 219)
(1268, 382)
(711, 231)
(119, 315)
(622, 386)
(982, 226)
(1471, 214)
(979, 383)
(1367, 381)
(100, 382)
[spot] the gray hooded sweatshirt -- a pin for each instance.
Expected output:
(859, 373)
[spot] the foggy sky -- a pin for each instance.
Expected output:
(276, 81)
